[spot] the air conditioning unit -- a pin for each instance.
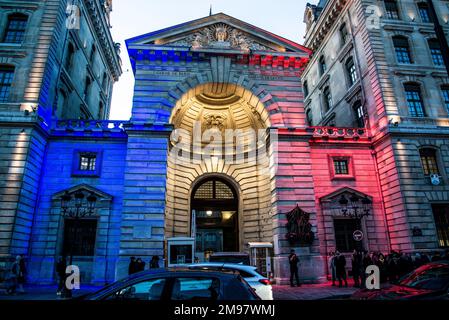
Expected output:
(435, 179)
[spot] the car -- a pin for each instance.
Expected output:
(258, 282)
(177, 284)
(230, 257)
(428, 282)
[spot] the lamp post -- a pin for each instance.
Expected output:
(355, 208)
(80, 207)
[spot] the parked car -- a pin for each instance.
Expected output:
(428, 282)
(230, 257)
(177, 284)
(258, 282)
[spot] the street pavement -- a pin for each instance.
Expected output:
(304, 292)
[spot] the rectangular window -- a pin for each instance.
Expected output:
(429, 161)
(341, 166)
(414, 102)
(445, 92)
(424, 13)
(403, 55)
(343, 34)
(441, 216)
(392, 9)
(79, 237)
(437, 56)
(87, 161)
(344, 229)
(6, 75)
(15, 30)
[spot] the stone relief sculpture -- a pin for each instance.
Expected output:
(220, 36)
(214, 120)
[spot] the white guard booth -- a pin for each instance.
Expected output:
(261, 254)
(180, 251)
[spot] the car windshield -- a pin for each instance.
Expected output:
(430, 277)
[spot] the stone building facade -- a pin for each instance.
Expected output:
(57, 60)
(378, 65)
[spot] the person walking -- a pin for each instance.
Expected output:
(132, 266)
(14, 276)
(154, 263)
(355, 263)
(340, 264)
(293, 261)
(22, 274)
(333, 268)
(140, 265)
(61, 267)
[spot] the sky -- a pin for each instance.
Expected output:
(131, 18)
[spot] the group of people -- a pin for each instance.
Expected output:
(138, 265)
(391, 266)
(17, 276)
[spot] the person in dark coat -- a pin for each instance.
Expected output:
(340, 265)
(332, 268)
(140, 265)
(293, 260)
(154, 263)
(61, 267)
(22, 274)
(132, 266)
(355, 263)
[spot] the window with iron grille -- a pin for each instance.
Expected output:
(87, 161)
(402, 49)
(429, 161)
(435, 51)
(79, 237)
(341, 166)
(15, 28)
(344, 229)
(441, 216)
(6, 75)
(391, 9)
(414, 100)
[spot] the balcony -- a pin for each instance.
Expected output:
(338, 133)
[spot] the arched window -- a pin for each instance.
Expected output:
(6, 76)
(424, 13)
(402, 49)
(69, 57)
(327, 99)
(435, 52)
(15, 28)
(414, 99)
(322, 65)
(359, 114)
(445, 93)
(351, 71)
(391, 9)
(429, 161)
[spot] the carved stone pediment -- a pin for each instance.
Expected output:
(222, 36)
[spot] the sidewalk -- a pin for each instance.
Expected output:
(44, 292)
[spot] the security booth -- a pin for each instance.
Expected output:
(180, 251)
(261, 255)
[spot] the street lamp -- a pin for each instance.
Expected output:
(80, 207)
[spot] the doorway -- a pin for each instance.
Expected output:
(214, 206)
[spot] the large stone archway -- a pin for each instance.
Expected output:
(225, 109)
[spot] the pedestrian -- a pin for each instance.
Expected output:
(366, 261)
(293, 261)
(333, 268)
(14, 276)
(22, 274)
(140, 265)
(355, 264)
(132, 265)
(61, 267)
(382, 267)
(154, 263)
(340, 264)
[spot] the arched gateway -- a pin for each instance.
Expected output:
(224, 94)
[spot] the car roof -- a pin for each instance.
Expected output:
(216, 254)
(224, 265)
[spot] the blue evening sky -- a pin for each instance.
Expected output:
(131, 18)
